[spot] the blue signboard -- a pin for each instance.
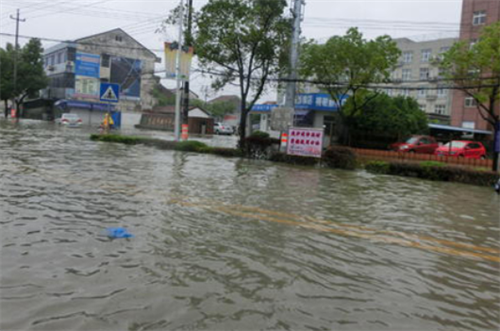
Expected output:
(497, 138)
(317, 101)
(263, 108)
(87, 65)
(110, 92)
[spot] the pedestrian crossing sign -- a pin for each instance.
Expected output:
(110, 92)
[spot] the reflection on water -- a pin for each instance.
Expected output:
(231, 244)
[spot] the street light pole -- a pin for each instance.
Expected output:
(188, 42)
(16, 48)
(177, 131)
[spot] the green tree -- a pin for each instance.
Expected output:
(476, 71)
(31, 77)
(6, 75)
(392, 117)
(345, 65)
(162, 99)
(241, 41)
(221, 108)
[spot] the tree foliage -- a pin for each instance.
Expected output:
(31, 76)
(395, 117)
(475, 70)
(6, 73)
(241, 41)
(346, 64)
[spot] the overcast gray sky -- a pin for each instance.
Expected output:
(71, 19)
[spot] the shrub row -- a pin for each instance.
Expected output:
(434, 171)
(334, 157)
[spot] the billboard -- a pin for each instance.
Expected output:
(170, 59)
(87, 87)
(127, 73)
(305, 142)
(87, 65)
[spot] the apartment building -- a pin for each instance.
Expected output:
(417, 76)
(475, 15)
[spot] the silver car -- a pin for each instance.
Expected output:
(70, 120)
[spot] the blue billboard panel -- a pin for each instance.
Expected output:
(87, 65)
(127, 73)
(318, 101)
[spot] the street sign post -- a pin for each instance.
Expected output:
(110, 92)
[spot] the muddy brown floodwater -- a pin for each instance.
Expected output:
(232, 244)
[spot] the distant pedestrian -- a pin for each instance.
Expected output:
(107, 123)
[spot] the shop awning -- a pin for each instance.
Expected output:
(65, 104)
(457, 129)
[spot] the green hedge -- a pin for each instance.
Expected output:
(190, 146)
(431, 171)
(293, 159)
(340, 157)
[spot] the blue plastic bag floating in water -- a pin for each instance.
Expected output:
(118, 233)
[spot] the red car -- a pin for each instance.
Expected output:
(416, 144)
(462, 148)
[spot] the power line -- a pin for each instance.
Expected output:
(80, 42)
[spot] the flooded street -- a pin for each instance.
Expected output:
(233, 244)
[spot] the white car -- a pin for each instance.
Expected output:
(220, 128)
(71, 120)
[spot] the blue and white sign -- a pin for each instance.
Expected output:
(263, 107)
(317, 101)
(110, 92)
(497, 138)
(87, 65)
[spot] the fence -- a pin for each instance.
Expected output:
(412, 157)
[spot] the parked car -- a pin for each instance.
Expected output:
(416, 144)
(71, 120)
(462, 148)
(220, 128)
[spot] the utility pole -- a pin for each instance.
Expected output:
(177, 131)
(294, 54)
(188, 43)
(16, 50)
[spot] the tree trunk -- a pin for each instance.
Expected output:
(6, 103)
(243, 125)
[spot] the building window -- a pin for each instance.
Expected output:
(444, 49)
(119, 38)
(405, 92)
(440, 109)
(470, 102)
(105, 60)
(59, 58)
(424, 73)
(426, 55)
(479, 17)
(422, 107)
(71, 54)
(406, 74)
(441, 92)
(407, 57)
(422, 93)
